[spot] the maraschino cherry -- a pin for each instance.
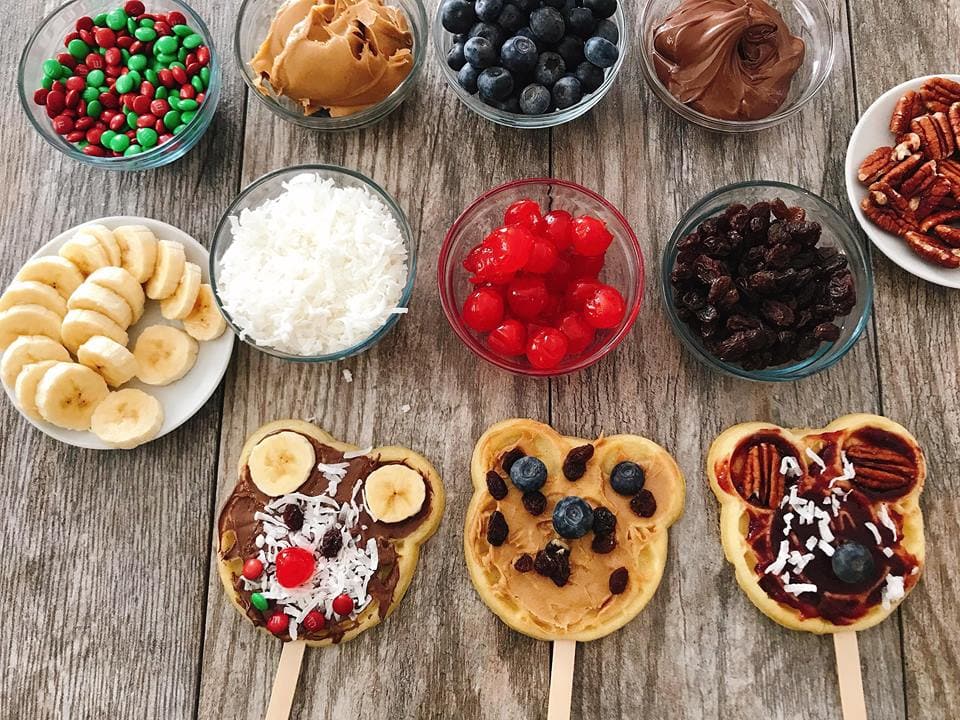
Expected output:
(295, 566)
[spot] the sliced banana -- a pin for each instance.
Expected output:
(205, 321)
(68, 394)
(108, 242)
(127, 418)
(25, 389)
(86, 252)
(180, 304)
(115, 363)
(171, 260)
(106, 302)
(81, 325)
(55, 271)
(138, 250)
(31, 292)
(123, 284)
(394, 493)
(164, 354)
(281, 463)
(28, 349)
(28, 320)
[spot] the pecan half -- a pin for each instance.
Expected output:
(935, 198)
(922, 179)
(950, 169)
(940, 218)
(938, 93)
(881, 467)
(950, 235)
(883, 195)
(931, 136)
(876, 165)
(946, 133)
(953, 115)
(931, 249)
(886, 218)
(907, 145)
(908, 107)
(902, 170)
(762, 481)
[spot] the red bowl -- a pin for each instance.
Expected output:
(623, 268)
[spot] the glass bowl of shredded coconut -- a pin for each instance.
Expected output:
(313, 263)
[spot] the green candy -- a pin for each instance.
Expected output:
(100, 20)
(94, 108)
(137, 62)
(103, 89)
(125, 54)
(90, 94)
(136, 76)
(171, 119)
(174, 102)
(78, 48)
(161, 93)
(47, 82)
(119, 143)
(188, 116)
(259, 601)
(182, 30)
(117, 19)
(165, 59)
(205, 76)
(96, 78)
(151, 75)
(166, 45)
(177, 63)
(131, 25)
(197, 83)
(188, 104)
(182, 55)
(132, 150)
(147, 137)
(147, 22)
(132, 121)
(82, 144)
(192, 42)
(107, 136)
(145, 34)
(179, 129)
(51, 68)
(124, 84)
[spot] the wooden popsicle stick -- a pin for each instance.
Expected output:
(848, 673)
(285, 682)
(561, 680)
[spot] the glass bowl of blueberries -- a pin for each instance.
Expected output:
(530, 63)
(766, 281)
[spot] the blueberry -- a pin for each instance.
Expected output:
(528, 6)
(627, 478)
(528, 473)
(572, 517)
(528, 33)
(547, 24)
(571, 50)
(455, 58)
(607, 29)
(461, 38)
(550, 68)
(581, 22)
(480, 53)
(853, 563)
(493, 33)
(457, 16)
(590, 77)
(495, 83)
(510, 105)
(554, 3)
(489, 10)
(601, 52)
(567, 92)
(534, 100)
(601, 8)
(467, 77)
(511, 19)
(519, 54)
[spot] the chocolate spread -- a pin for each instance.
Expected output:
(728, 59)
(238, 515)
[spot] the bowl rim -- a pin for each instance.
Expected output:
(405, 230)
(736, 126)
(144, 160)
(784, 373)
(453, 318)
(529, 122)
(356, 120)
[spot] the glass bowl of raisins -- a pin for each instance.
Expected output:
(766, 281)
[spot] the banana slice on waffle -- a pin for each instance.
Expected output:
(566, 538)
(823, 527)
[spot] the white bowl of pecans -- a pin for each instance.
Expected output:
(903, 176)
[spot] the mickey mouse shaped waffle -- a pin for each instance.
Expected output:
(319, 540)
(567, 539)
(823, 527)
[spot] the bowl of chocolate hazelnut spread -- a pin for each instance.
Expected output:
(331, 64)
(736, 65)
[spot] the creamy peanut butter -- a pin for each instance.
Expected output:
(341, 56)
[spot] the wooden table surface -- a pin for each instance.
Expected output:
(112, 608)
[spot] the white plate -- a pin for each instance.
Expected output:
(182, 399)
(873, 131)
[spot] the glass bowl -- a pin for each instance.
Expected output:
(270, 186)
(47, 40)
(253, 22)
(837, 233)
(442, 40)
(808, 19)
(623, 269)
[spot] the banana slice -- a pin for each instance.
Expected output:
(81, 325)
(164, 354)
(31, 292)
(394, 493)
(180, 304)
(55, 271)
(108, 242)
(123, 284)
(171, 259)
(68, 394)
(113, 361)
(281, 463)
(28, 349)
(138, 250)
(86, 252)
(127, 418)
(205, 321)
(25, 389)
(28, 320)
(106, 302)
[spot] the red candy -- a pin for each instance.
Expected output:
(141, 105)
(278, 623)
(63, 124)
(134, 8)
(113, 56)
(343, 604)
(295, 566)
(159, 108)
(314, 620)
(252, 568)
(84, 23)
(105, 37)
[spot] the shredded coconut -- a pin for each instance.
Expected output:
(884, 514)
(798, 588)
(892, 592)
(789, 467)
(817, 459)
(347, 376)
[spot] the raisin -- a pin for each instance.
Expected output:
(293, 517)
(545, 564)
(708, 269)
(604, 521)
(689, 242)
(603, 544)
(509, 458)
(534, 502)
(777, 312)
(826, 332)
(524, 563)
(618, 580)
(644, 503)
(562, 574)
(708, 227)
(496, 485)
(497, 529)
(331, 543)
(693, 300)
(723, 292)
(554, 562)
(576, 463)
